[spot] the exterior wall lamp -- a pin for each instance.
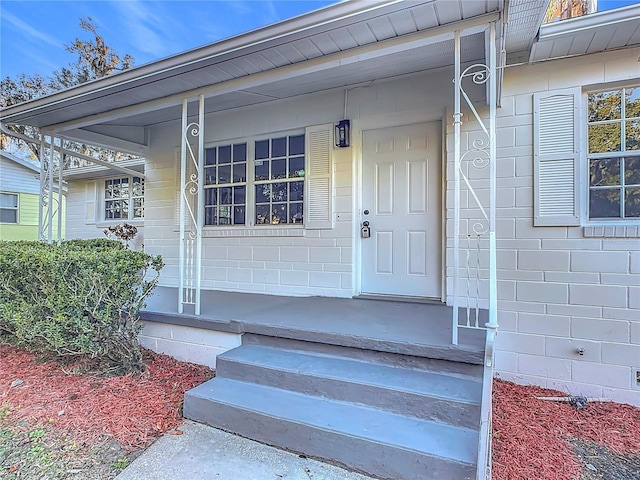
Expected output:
(343, 133)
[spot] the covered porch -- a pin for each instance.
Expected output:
(420, 329)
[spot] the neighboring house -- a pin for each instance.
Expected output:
(246, 192)
(19, 198)
(99, 197)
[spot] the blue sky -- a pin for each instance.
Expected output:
(32, 33)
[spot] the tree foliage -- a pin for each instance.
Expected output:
(94, 59)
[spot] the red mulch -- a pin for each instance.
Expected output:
(529, 435)
(131, 409)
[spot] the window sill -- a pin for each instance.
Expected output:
(611, 231)
(253, 232)
(110, 223)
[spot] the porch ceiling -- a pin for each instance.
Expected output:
(344, 44)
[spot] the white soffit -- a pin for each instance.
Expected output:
(598, 32)
(523, 21)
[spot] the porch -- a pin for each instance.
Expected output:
(420, 329)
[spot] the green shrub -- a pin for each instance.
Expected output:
(80, 299)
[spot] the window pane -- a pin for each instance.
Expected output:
(224, 173)
(225, 196)
(605, 105)
(238, 216)
(262, 214)
(296, 145)
(632, 202)
(240, 152)
(279, 168)
(632, 131)
(239, 195)
(278, 147)
(295, 213)
(210, 195)
(279, 213)
(210, 216)
(210, 175)
(604, 172)
(224, 215)
(279, 192)
(262, 149)
(604, 138)
(262, 170)
(296, 167)
(138, 208)
(633, 102)
(239, 172)
(224, 154)
(263, 193)
(296, 191)
(8, 200)
(632, 171)
(8, 216)
(604, 203)
(210, 156)
(137, 189)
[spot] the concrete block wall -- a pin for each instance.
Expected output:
(561, 290)
(81, 213)
(284, 261)
(187, 344)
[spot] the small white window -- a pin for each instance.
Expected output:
(124, 198)
(8, 208)
(613, 123)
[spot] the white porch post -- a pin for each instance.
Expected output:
(41, 201)
(456, 180)
(191, 209)
(493, 102)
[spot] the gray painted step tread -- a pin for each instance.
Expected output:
(423, 436)
(426, 383)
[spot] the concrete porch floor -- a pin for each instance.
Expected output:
(420, 329)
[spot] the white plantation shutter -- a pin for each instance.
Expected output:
(318, 209)
(556, 158)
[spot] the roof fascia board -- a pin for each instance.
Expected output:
(386, 47)
(300, 24)
(586, 22)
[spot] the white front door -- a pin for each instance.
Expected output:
(401, 200)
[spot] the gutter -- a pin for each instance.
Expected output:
(630, 13)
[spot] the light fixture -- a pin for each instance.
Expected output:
(343, 133)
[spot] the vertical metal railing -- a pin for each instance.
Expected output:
(191, 209)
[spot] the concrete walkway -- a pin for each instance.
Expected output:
(204, 453)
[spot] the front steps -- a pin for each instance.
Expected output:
(389, 415)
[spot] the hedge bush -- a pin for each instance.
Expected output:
(80, 299)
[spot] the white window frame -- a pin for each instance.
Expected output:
(250, 184)
(586, 158)
(103, 200)
(16, 208)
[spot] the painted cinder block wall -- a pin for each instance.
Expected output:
(321, 262)
(562, 288)
(85, 218)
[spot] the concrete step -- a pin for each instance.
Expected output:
(419, 393)
(374, 441)
(456, 368)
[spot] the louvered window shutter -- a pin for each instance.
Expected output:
(318, 210)
(556, 158)
(91, 201)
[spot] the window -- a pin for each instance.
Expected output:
(8, 208)
(124, 198)
(279, 180)
(225, 179)
(275, 182)
(613, 123)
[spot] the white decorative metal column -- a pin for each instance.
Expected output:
(474, 241)
(191, 208)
